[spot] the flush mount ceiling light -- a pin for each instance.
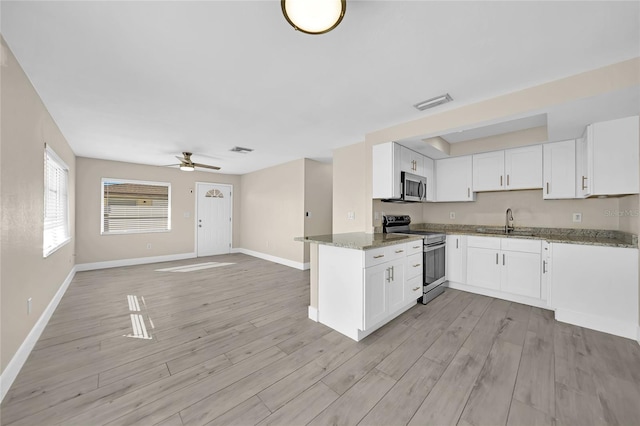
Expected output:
(430, 103)
(187, 168)
(314, 16)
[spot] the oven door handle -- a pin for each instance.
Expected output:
(434, 247)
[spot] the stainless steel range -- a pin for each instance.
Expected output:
(433, 248)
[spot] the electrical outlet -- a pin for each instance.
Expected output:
(187, 214)
(29, 306)
(148, 245)
(452, 215)
(577, 217)
(351, 215)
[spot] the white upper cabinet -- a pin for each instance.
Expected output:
(429, 173)
(386, 171)
(559, 170)
(608, 158)
(523, 167)
(411, 161)
(488, 171)
(518, 168)
(454, 179)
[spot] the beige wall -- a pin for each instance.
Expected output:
(498, 142)
(272, 213)
(629, 213)
(25, 127)
(93, 247)
(349, 188)
(529, 209)
(318, 190)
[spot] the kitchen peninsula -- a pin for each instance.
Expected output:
(361, 281)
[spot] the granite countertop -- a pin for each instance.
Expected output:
(596, 237)
(359, 240)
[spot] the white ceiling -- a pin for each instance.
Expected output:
(142, 81)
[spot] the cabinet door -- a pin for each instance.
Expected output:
(483, 268)
(375, 293)
(559, 170)
(523, 167)
(456, 258)
(386, 171)
(615, 152)
(521, 273)
(488, 171)
(429, 173)
(454, 179)
(411, 161)
(396, 287)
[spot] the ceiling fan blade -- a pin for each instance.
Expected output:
(205, 166)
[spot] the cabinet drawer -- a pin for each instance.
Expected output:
(525, 246)
(414, 288)
(483, 242)
(414, 265)
(414, 247)
(384, 254)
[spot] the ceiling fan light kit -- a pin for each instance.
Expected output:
(187, 168)
(313, 16)
(186, 165)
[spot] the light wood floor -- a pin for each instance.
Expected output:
(233, 345)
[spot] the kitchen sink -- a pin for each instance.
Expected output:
(500, 232)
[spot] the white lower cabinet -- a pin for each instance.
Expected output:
(456, 256)
(361, 290)
(595, 287)
(505, 266)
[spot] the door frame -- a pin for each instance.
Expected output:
(195, 215)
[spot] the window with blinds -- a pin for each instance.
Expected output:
(130, 206)
(56, 203)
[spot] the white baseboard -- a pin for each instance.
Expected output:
(15, 365)
(313, 313)
(271, 258)
(130, 262)
(598, 323)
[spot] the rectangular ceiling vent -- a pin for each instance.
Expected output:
(433, 102)
(241, 150)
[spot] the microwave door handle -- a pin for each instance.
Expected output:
(421, 191)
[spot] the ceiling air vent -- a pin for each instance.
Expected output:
(241, 150)
(433, 102)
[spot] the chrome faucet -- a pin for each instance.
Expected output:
(508, 224)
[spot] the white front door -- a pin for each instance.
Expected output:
(213, 220)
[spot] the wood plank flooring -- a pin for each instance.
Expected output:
(232, 345)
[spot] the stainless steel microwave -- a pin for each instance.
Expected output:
(414, 187)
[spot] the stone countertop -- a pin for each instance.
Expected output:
(359, 240)
(595, 237)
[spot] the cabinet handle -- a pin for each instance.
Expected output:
(503, 259)
(507, 180)
(457, 243)
(416, 289)
(496, 258)
(378, 256)
(468, 192)
(500, 180)
(415, 247)
(393, 275)
(583, 185)
(547, 187)
(388, 279)
(416, 265)
(544, 266)
(399, 251)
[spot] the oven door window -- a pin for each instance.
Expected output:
(434, 264)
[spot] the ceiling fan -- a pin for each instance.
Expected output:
(186, 165)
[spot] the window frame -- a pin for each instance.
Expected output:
(50, 155)
(135, 182)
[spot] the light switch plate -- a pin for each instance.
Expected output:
(452, 215)
(577, 217)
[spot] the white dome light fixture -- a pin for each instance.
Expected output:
(187, 167)
(313, 16)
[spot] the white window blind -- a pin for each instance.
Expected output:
(56, 203)
(130, 206)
